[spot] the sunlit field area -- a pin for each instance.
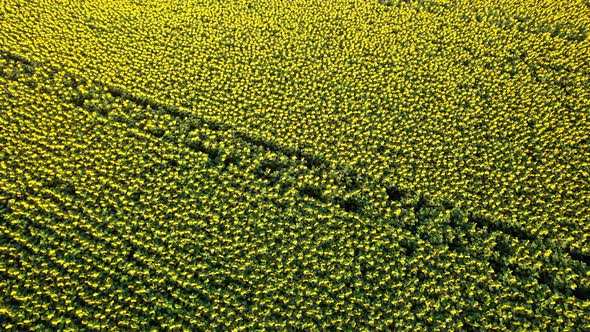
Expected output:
(349, 165)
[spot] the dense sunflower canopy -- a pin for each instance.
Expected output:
(295, 165)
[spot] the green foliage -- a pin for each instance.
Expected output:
(189, 165)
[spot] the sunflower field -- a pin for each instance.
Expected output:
(371, 165)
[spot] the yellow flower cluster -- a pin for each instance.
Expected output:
(307, 164)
